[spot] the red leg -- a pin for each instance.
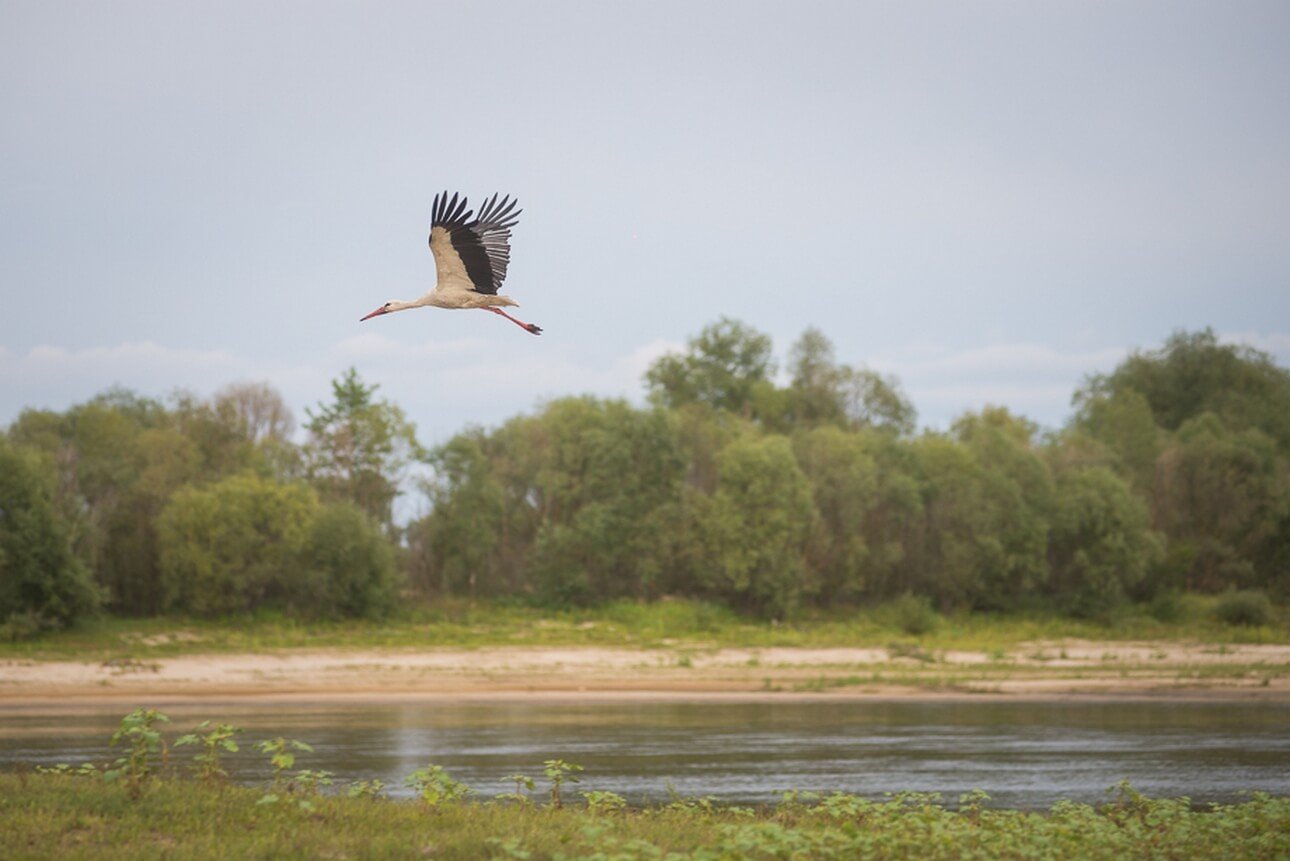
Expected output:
(527, 327)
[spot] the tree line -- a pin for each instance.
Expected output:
(1173, 473)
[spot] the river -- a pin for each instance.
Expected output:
(1023, 754)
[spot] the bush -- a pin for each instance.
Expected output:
(350, 564)
(1247, 607)
(23, 626)
(1166, 606)
(235, 545)
(914, 614)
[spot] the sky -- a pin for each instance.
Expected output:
(986, 200)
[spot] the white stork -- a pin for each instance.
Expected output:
(470, 258)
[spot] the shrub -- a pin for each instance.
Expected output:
(235, 545)
(1247, 607)
(1166, 606)
(350, 563)
(914, 614)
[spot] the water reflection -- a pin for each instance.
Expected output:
(1022, 754)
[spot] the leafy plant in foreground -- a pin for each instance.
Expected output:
(374, 788)
(522, 782)
(599, 801)
(311, 781)
(213, 743)
(435, 786)
(281, 757)
(138, 732)
(558, 771)
(85, 769)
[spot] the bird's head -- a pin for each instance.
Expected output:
(384, 309)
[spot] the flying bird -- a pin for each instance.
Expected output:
(470, 258)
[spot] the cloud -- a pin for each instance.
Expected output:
(55, 377)
(146, 357)
(1032, 379)
(1276, 344)
(372, 346)
(1012, 360)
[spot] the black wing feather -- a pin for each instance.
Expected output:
(482, 244)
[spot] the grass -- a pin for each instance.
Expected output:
(43, 816)
(671, 624)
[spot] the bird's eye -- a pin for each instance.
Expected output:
(386, 305)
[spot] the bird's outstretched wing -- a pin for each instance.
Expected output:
(471, 254)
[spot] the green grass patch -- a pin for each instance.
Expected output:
(44, 816)
(680, 624)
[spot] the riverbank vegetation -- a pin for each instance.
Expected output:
(674, 625)
(732, 506)
(71, 817)
(139, 806)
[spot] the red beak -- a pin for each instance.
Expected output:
(378, 312)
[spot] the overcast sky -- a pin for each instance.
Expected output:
(988, 200)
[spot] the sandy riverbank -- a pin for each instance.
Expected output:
(1049, 669)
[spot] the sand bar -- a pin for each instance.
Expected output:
(1047, 669)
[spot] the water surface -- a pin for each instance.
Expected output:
(1025, 755)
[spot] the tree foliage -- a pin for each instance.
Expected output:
(726, 366)
(349, 565)
(1193, 374)
(760, 492)
(1202, 432)
(359, 447)
(42, 582)
(235, 545)
(1101, 546)
(753, 531)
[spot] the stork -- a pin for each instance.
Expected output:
(470, 258)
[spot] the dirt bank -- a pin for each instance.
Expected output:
(1036, 669)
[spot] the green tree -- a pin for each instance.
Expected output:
(1123, 423)
(1223, 498)
(42, 582)
(867, 493)
(455, 546)
(1018, 492)
(120, 457)
(945, 554)
(349, 565)
(101, 450)
(235, 545)
(752, 533)
(1101, 545)
(844, 482)
(982, 539)
(728, 365)
(1194, 374)
(822, 391)
(870, 399)
(360, 447)
(814, 394)
(260, 415)
(607, 489)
